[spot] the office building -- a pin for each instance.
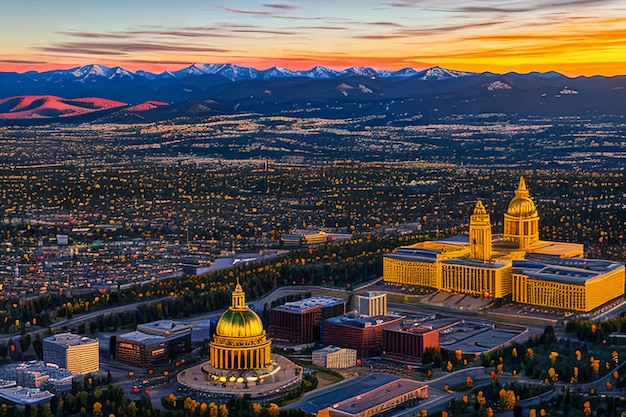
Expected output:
(300, 322)
(334, 357)
(362, 333)
(371, 303)
(153, 343)
(78, 354)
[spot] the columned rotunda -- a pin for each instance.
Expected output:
(240, 342)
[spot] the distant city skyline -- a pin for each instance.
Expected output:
(573, 37)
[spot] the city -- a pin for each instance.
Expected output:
(294, 208)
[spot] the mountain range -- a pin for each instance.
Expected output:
(203, 89)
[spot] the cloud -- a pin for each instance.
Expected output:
(123, 48)
(20, 61)
(242, 11)
(413, 33)
(283, 6)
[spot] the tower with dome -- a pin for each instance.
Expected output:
(516, 264)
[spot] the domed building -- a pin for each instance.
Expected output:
(516, 264)
(240, 361)
(239, 342)
(521, 220)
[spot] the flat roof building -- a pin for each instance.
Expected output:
(362, 333)
(408, 343)
(379, 399)
(334, 357)
(301, 322)
(371, 303)
(78, 354)
(152, 343)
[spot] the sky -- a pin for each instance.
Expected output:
(574, 37)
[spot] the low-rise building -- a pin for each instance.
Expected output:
(152, 343)
(408, 343)
(378, 400)
(301, 322)
(362, 333)
(334, 357)
(371, 303)
(78, 354)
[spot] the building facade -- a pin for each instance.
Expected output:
(372, 303)
(334, 357)
(78, 354)
(153, 343)
(572, 284)
(408, 343)
(300, 322)
(378, 400)
(516, 264)
(361, 333)
(239, 342)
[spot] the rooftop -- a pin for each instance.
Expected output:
(475, 263)
(69, 339)
(141, 337)
(349, 389)
(357, 320)
(307, 303)
(378, 395)
(164, 328)
(567, 270)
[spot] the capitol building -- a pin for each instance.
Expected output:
(516, 264)
(240, 362)
(239, 342)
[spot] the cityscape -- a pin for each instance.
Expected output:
(374, 208)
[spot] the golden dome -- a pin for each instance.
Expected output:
(239, 323)
(239, 320)
(522, 204)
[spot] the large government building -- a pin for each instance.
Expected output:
(516, 263)
(240, 342)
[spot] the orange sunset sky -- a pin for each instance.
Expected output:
(574, 37)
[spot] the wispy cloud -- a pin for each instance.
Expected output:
(283, 6)
(424, 32)
(21, 61)
(243, 11)
(123, 48)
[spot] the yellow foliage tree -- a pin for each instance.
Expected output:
(213, 412)
(273, 410)
(480, 398)
(553, 356)
(97, 408)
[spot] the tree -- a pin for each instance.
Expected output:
(273, 410)
(213, 410)
(25, 341)
(507, 399)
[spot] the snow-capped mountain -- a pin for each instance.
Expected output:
(94, 72)
(404, 72)
(438, 73)
(278, 72)
(319, 72)
(360, 71)
(229, 71)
